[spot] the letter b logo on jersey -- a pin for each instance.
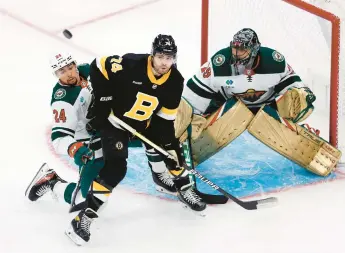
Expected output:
(143, 107)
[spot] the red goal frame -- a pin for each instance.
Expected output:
(335, 55)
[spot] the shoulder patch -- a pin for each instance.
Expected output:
(277, 56)
(218, 59)
(68, 94)
(60, 93)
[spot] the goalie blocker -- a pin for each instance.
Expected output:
(209, 135)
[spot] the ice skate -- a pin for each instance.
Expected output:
(79, 228)
(43, 182)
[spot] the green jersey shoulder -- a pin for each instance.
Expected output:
(84, 70)
(69, 94)
(269, 61)
(221, 62)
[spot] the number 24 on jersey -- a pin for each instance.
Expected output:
(60, 117)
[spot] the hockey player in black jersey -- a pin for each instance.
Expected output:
(143, 90)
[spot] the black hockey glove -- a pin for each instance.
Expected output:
(175, 150)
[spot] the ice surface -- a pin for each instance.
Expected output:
(307, 220)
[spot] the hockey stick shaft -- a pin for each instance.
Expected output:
(207, 198)
(249, 205)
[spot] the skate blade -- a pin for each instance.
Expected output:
(69, 232)
(41, 170)
(198, 213)
(163, 190)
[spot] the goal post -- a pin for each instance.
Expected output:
(310, 34)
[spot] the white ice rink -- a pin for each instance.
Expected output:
(308, 220)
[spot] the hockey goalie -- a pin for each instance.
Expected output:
(250, 87)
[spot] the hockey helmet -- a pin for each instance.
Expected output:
(61, 60)
(164, 44)
(246, 38)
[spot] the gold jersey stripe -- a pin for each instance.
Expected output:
(99, 187)
(103, 69)
(168, 111)
(168, 114)
(152, 77)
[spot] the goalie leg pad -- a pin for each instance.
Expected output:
(184, 119)
(223, 126)
(296, 143)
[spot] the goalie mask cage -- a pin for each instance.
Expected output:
(310, 34)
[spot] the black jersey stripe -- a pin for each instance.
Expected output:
(63, 128)
(281, 86)
(199, 91)
(203, 85)
(226, 97)
(57, 135)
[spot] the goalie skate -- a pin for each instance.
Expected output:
(43, 182)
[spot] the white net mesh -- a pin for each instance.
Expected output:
(303, 38)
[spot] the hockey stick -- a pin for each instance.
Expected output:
(207, 198)
(249, 205)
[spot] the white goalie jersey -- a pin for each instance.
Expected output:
(218, 80)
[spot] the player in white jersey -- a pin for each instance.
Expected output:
(248, 86)
(71, 103)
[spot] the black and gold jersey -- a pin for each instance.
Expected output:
(128, 86)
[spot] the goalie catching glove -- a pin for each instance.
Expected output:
(296, 104)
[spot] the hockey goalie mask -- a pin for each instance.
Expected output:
(245, 47)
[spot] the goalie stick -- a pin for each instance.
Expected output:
(249, 205)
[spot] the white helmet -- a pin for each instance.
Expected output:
(61, 60)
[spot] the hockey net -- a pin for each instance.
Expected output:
(311, 36)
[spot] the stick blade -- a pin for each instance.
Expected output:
(267, 203)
